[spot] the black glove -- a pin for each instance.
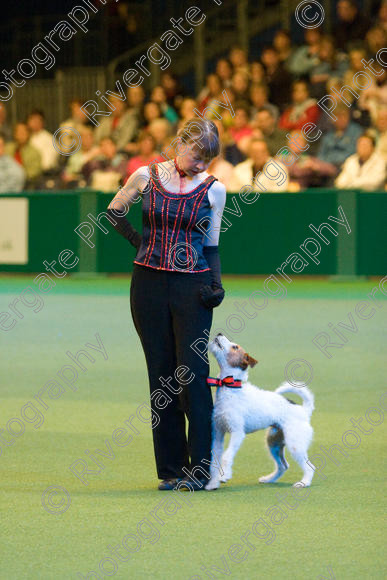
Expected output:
(125, 228)
(212, 296)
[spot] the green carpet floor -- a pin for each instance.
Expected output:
(333, 530)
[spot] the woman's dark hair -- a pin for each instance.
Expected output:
(205, 136)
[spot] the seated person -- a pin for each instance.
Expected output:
(305, 170)
(72, 174)
(303, 110)
(241, 126)
(268, 174)
(266, 122)
(120, 125)
(12, 174)
(146, 153)
(158, 96)
(340, 142)
(25, 154)
(106, 171)
(41, 139)
(219, 167)
(366, 169)
(381, 132)
(258, 100)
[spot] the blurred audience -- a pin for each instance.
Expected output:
(365, 169)
(25, 154)
(120, 126)
(340, 142)
(41, 139)
(107, 170)
(275, 179)
(12, 174)
(146, 153)
(303, 110)
(273, 94)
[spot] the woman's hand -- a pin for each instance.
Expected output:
(211, 297)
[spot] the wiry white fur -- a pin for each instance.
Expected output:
(248, 409)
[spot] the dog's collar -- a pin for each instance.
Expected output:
(226, 382)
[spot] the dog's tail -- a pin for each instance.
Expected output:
(300, 390)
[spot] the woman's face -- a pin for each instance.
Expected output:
(191, 161)
(151, 112)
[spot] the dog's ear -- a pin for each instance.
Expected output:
(248, 360)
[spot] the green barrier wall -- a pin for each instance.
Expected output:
(258, 241)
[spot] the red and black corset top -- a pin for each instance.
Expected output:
(173, 226)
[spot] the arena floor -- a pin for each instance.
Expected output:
(66, 531)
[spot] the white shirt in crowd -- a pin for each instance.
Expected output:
(42, 141)
(370, 175)
(274, 177)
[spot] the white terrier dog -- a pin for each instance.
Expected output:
(242, 408)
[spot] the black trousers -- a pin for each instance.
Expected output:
(169, 318)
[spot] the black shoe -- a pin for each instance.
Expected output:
(168, 484)
(187, 484)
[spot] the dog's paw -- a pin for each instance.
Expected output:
(211, 485)
(301, 484)
(267, 479)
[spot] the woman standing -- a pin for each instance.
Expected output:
(175, 286)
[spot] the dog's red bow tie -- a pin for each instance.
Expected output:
(226, 382)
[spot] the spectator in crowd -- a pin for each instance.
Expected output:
(257, 73)
(278, 79)
(240, 85)
(266, 122)
(160, 130)
(120, 125)
(351, 26)
(186, 111)
(41, 139)
(238, 59)
(173, 89)
(283, 45)
(375, 40)
(210, 96)
(375, 96)
(72, 174)
(382, 16)
(106, 171)
(146, 153)
(152, 111)
(274, 180)
(228, 114)
(304, 169)
(331, 63)
(224, 72)
(77, 120)
(340, 142)
(366, 169)
(381, 132)
(219, 167)
(12, 174)
(258, 99)
(5, 128)
(241, 126)
(159, 97)
(303, 110)
(306, 57)
(25, 154)
(136, 98)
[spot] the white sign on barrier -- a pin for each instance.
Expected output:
(13, 230)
